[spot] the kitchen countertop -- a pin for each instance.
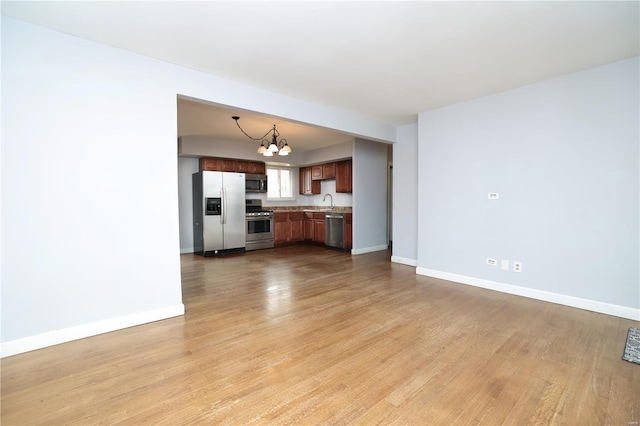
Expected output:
(318, 209)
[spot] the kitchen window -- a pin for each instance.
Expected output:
(279, 183)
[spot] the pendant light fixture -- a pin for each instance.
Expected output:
(267, 148)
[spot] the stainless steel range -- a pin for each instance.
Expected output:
(259, 226)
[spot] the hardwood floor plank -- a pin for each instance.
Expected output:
(306, 335)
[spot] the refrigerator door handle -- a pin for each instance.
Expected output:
(223, 216)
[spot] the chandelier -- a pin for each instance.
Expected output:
(267, 148)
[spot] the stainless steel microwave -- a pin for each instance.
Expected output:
(255, 183)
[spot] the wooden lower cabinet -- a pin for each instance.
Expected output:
(296, 225)
(348, 230)
(308, 226)
(280, 226)
(318, 228)
(288, 227)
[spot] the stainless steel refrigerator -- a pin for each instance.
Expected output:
(218, 212)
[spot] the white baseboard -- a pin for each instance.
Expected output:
(561, 299)
(56, 337)
(404, 260)
(186, 250)
(369, 249)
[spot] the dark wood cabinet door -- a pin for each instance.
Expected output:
(280, 225)
(296, 226)
(305, 172)
(209, 164)
(316, 172)
(308, 229)
(329, 171)
(318, 231)
(344, 177)
(348, 230)
(257, 168)
(231, 165)
(241, 166)
(308, 186)
(226, 165)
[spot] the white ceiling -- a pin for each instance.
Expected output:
(387, 61)
(199, 118)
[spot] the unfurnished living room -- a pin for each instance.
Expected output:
(446, 231)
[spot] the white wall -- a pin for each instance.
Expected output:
(90, 226)
(563, 155)
(186, 168)
(329, 153)
(369, 196)
(405, 196)
(206, 146)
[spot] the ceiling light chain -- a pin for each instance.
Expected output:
(268, 149)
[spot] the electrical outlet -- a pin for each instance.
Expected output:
(517, 266)
(493, 196)
(491, 262)
(504, 265)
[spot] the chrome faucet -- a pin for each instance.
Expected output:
(325, 197)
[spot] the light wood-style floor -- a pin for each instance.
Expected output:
(306, 335)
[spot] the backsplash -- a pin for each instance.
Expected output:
(327, 187)
(337, 209)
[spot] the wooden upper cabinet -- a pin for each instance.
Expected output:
(344, 176)
(308, 186)
(217, 164)
(209, 164)
(316, 172)
(329, 171)
(230, 165)
(257, 168)
(241, 166)
(226, 165)
(304, 174)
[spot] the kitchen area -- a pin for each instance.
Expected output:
(229, 215)
(355, 211)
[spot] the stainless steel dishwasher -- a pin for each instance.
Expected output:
(334, 230)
